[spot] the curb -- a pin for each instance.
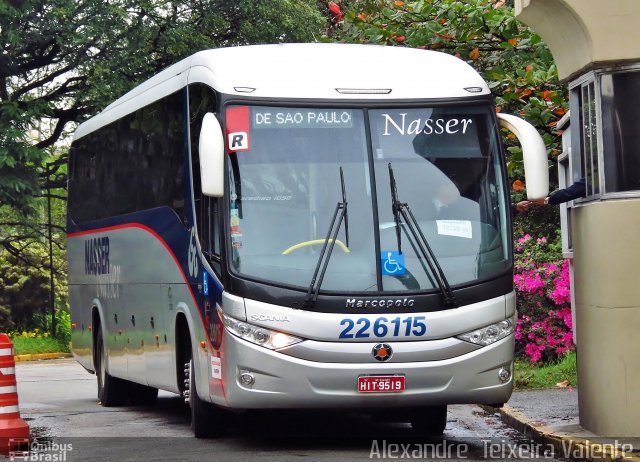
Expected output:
(41, 356)
(571, 447)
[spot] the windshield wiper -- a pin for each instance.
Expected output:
(403, 209)
(340, 214)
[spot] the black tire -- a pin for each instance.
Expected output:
(143, 395)
(431, 420)
(112, 391)
(206, 419)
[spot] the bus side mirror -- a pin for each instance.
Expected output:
(211, 151)
(534, 154)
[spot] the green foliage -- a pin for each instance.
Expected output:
(25, 288)
(63, 324)
(24, 263)
(35, 342)
(539, 221)
(23, 292)
(561, 373)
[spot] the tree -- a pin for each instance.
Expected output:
(25, 264)
(63, 60)
(23, 292)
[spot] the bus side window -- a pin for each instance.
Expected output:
(208, 219)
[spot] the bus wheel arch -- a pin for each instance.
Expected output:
(112, 391)
(96, 324)
(206, 419)
(183, 351)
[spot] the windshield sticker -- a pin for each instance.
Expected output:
(236, 243)
(392, 263)
(238, 138)
(428, 126)
(456, 228)
(301, 118)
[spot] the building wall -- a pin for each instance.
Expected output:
(607, 291)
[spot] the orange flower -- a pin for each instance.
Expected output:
(474, 54)
(399, 3)
(335, 9)
(518, 185)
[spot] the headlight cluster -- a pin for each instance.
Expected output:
(491, 333)
(262, 336)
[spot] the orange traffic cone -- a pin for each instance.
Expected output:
(14, 431)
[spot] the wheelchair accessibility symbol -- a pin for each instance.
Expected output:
(392, 263)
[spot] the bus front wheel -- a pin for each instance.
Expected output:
(112, 391)
(205, 417)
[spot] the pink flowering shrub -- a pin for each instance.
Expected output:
(541, 279)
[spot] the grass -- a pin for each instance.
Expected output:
(560, 374)
(28, 345)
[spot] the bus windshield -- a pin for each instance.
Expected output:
(285, 184)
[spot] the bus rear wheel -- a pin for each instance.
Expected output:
(206, 419)
(431, 420)
(112, 391)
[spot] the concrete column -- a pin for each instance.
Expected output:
(606, 265)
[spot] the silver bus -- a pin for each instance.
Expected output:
(298, 226)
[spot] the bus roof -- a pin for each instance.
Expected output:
(307, 71)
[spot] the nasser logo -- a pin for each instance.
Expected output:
(382, 352)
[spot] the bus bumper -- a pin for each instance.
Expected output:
(286, 382)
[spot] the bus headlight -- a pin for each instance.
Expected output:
(491, 333)
(262, 336)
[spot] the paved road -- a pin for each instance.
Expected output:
(58, 399)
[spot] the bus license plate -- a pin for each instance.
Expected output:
(381, 384)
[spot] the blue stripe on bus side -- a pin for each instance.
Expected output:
(165, 226)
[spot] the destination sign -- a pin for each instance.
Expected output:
(300, 118)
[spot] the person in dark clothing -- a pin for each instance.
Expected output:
(575, 191)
